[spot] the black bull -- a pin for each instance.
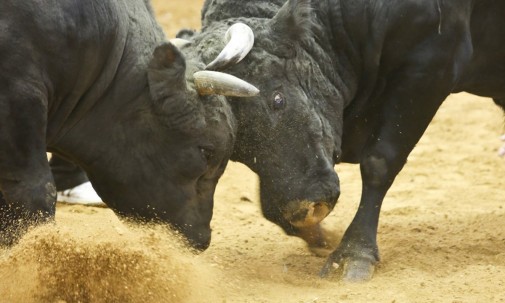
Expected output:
(95, 82)
(348, 81)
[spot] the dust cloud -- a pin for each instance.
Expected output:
(72, 262)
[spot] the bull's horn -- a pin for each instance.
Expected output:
(217, 83)
(240, 40)
(179, 43)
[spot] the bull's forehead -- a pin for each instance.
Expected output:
(272, 51)
(208, 43)
(216, 10)
(274, 63)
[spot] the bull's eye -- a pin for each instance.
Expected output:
(279, 102)
(207, 152)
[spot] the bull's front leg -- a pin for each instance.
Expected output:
(402, 121)
(400, 115)
(28, 194)
(408, 109)
(358, 251)
(25, 203)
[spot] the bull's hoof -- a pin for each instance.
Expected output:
(354, 270)
(358, 270)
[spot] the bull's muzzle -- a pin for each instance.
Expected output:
(306, 213)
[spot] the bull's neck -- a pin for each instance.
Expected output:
(103, 121)
(107, 73)
(108, 128)
(357, 45)
(341, 45)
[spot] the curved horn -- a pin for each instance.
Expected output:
(240, 40)
(217, 83)
(179, 43)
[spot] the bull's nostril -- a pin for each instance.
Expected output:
(306, 213)
(320, 210)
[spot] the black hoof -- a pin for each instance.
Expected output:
(357, 270)
(354, 270)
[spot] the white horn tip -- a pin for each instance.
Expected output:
(218, 83)
(240, 40)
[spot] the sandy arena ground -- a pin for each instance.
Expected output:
(441, 234)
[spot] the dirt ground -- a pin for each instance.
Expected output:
(441, 234)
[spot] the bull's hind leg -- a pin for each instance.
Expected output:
(26, 182)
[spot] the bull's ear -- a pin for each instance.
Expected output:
(166, 72)
(185, 33)
(167, 85)
(293, 19)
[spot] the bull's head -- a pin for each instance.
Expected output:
(188, 133)
(285, 134)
